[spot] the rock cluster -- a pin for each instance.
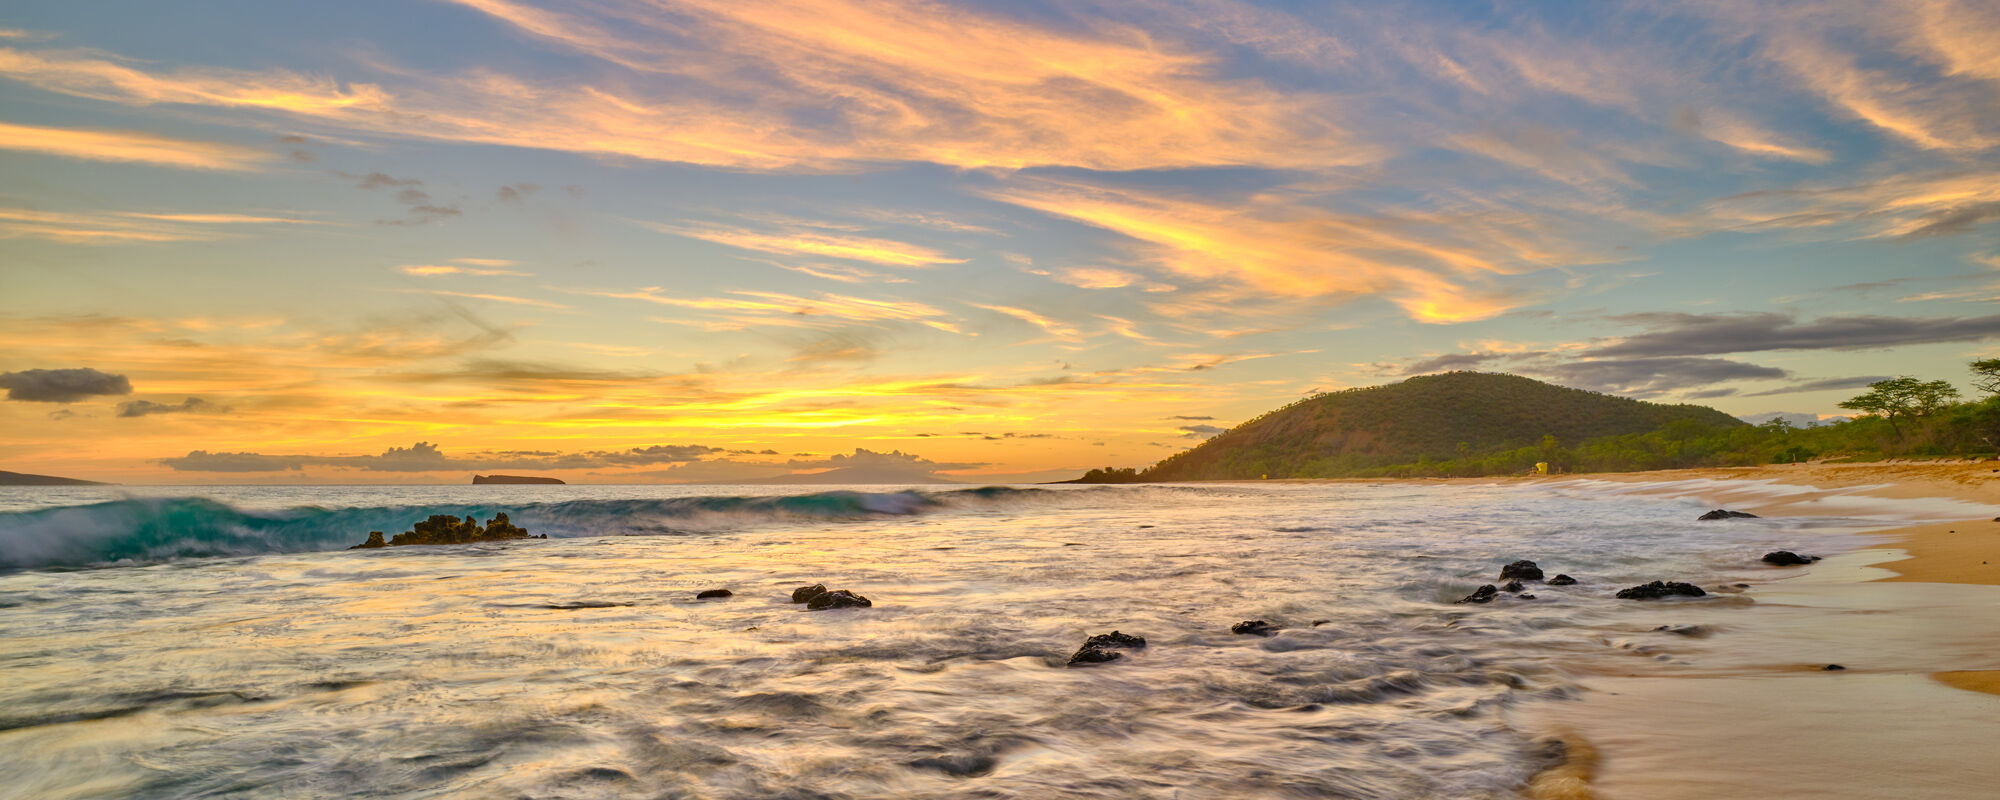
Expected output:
(1481, 595)
(817, 598)
(1100, 648)
(1787, 558)
(1659, 589)
(1254, 627)
(1723, 513)
(447, 529)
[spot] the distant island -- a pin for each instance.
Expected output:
(479, 479)
(24, 479)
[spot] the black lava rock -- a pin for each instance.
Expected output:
(374, 540)
(1514, 586)
(1832, 668)
(1483, 594)
(1723, 513)
(1659, 589)
(838, 598)
(1787, 558)
(1524, 570)
(1093, 655)
(1254, 627)
(708, 593)
(1100, 648)
(1562, 580)
(1115, 639)
(804, 593)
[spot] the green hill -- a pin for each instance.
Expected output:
(1434, 418)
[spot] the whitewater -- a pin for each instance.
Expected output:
(174, 642)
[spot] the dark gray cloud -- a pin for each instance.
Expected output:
(1955, 221)
(862, 457)
(1679, 334)
(1200, 431)
(422, 209)
(380, 180)
(1824, 384)
(1193, 419)
(62, 385)
(1647, 377)
(515, 193)
(192, 405)
(1710, 394)
(1449, 362)
(427, 457)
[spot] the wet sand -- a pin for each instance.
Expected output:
(1757, 712)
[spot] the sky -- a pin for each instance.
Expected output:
(654, 241)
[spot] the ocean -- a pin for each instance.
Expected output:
(221, 642)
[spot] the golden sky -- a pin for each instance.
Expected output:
(642, 240)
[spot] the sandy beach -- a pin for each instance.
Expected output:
(1909, 619)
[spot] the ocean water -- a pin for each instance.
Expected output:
(219, 642)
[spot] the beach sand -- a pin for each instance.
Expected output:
(1914, 622)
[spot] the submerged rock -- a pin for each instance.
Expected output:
(1787, 558)
(1115, 639)
(1832, 668)
(1562, 580)
(804, 593)
(1100, 648)
(1483, 594)
(1723, 513)
(1659, 589)
(1094, 655)
(838, 598)
(708, 593)
(447, 529)
(1521, 570)
(1514, 586)
(1253, 627)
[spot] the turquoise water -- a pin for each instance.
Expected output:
(165, 643)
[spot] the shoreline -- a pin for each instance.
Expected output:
(1910, 613)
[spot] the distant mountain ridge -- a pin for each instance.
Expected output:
(25, 479)
(1432, 418)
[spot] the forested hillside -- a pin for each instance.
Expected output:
(1434, 418)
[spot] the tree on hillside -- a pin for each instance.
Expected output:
(1986, 375)
(1903, 397)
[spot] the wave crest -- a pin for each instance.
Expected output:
(148, 530)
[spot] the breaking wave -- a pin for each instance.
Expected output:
(149, 530)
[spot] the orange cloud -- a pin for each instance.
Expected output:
(130, 147)
(430, 270)
(904, 82)
(129, 227)
(775, 304)
(1272, 246)
(814, 243)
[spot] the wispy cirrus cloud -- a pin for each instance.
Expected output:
(1432, 265)
(827, 304)
(805, 241)
(130, 227)
(130, 147)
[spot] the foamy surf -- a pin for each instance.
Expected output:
(584, 666)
